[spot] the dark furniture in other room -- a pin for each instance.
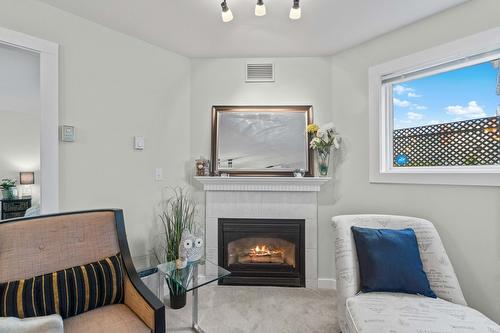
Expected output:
(12, 208)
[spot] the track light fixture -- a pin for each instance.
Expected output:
(227, 14)
(295, 11)
(260, 10)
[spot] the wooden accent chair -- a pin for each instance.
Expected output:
(40, 245)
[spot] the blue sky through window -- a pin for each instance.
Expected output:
(460, 94)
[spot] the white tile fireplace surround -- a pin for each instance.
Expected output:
(260, 198)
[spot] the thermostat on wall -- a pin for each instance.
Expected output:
(67, 133)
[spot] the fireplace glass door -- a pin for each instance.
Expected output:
(262, 251)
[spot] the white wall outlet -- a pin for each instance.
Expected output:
(158, 174)
(67, 133)
(138, 142)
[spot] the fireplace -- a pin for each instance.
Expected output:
(268, 252)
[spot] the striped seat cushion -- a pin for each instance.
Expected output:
(67, 292)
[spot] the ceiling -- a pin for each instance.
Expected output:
(194, 27)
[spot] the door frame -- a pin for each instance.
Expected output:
(49, 113)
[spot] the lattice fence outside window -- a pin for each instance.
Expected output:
(462, 143)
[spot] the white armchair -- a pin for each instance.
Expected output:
(397, 312)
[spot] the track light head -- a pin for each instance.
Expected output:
(227, 15)
(295, 11)
(260, 8)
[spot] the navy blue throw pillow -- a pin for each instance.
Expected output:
(389, 261)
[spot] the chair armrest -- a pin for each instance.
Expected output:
(144, 304)
(138, 297)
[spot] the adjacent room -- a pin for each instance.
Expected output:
(249, 166)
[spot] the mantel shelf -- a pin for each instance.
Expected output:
(264, 184)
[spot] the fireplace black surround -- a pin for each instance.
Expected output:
(264, 252)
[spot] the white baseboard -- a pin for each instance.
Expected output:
(327, 283)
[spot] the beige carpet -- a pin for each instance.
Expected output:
(230, 309)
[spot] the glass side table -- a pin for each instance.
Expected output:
(187, 279)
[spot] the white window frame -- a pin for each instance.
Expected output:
(49, 107)
(381, 118)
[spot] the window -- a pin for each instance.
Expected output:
(438, 122)
(449, 118)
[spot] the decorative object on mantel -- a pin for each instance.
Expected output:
(299, 173)
(8, 187)
(202, 167)
(322, 140)
(177, 219)
(261, 140)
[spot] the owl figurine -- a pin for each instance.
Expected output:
(191, 246)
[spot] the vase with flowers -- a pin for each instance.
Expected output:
(8, 187)
(322, 139)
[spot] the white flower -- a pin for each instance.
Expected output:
(321, 133)
(314, 142)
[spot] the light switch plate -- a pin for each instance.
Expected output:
(138, 142)
(158, 174)
(67, 133)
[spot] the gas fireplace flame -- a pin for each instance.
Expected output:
(263, 250)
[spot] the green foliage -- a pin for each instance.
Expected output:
(7, 184)
(177, 216)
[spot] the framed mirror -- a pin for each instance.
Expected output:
(261, 140)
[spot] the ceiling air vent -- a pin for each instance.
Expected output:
(263, 72)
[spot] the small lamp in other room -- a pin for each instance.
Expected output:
(26, 179)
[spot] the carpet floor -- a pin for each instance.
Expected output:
(235, 309)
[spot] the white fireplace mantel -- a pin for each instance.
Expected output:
(263, 184)
(264, 197)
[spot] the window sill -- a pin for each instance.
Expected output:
(437, 178)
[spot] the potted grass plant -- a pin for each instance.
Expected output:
(177, 215)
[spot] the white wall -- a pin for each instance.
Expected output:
(113, 87)
(467, 217)
(20, 115)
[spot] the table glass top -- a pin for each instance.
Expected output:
(205, 270)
